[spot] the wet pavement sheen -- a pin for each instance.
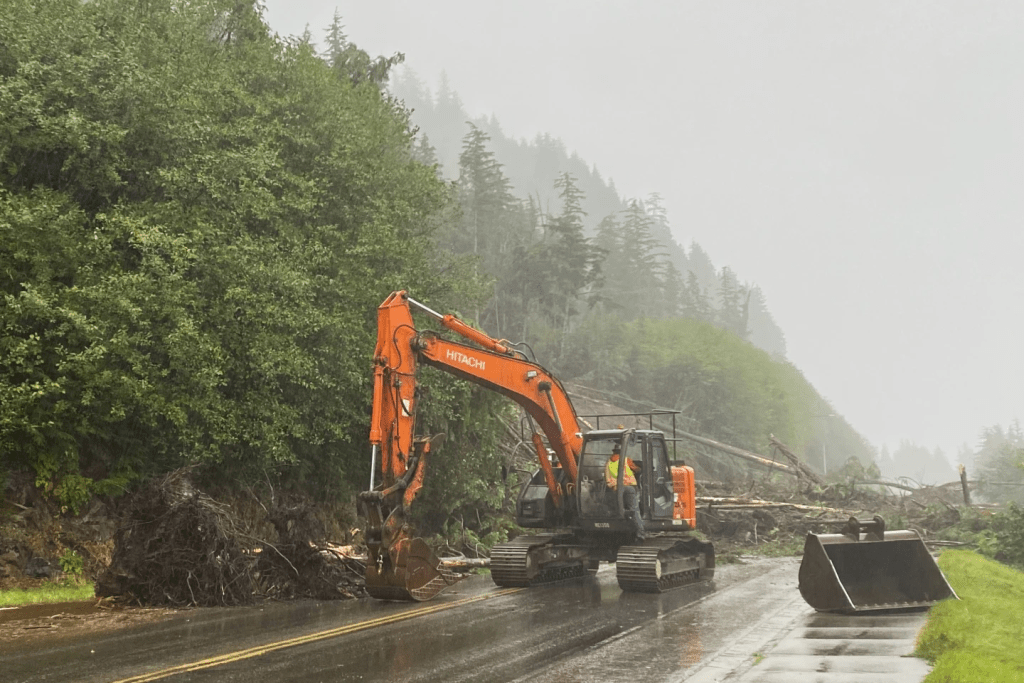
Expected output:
(799, 645)
(588, 630)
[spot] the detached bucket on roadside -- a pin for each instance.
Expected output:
(866, 568)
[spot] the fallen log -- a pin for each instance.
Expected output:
(465, 563)
(349, 553)
(745, 503)
(740, 453)
(802, 469)
(892, 484)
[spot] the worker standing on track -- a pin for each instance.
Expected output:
(630, 491)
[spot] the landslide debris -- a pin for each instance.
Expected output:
(178, 546)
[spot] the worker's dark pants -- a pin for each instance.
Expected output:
(631, 501)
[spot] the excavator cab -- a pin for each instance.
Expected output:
(666, 492)
(600, 506)
(665, 559)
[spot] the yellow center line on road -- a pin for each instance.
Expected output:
(311, 638)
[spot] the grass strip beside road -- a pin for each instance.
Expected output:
(976, 638)
(66, 591)
(309, 638)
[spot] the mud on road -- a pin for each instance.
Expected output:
(45, 624)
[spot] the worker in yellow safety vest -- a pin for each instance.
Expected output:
(630, 492)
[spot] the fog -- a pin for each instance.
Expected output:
(861, 162)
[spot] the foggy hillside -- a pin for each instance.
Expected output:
(532, 167)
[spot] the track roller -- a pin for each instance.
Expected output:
(659, 564)
(533, 560)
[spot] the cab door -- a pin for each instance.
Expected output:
(659, 480)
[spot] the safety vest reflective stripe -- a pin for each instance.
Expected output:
(612, 475)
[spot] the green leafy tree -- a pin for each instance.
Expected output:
(485, 194)
(197, 222)
(498, 231)
(424, 152)
(634, 266)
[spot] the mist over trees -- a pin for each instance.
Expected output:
(998, 463)
(638, 228)
(918, 463)
(591, 280)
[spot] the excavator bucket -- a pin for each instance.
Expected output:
(866, 568)
(409, 570)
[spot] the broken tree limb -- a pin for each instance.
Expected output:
(747, 503)
(963, 485)
(804, 471)
(465, 563)
(739, 453)
(893, 484)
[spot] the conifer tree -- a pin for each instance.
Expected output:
(350, 62)
(572, 258)
(733, 300)
(641, 283)
(424, 152)
(694, 300)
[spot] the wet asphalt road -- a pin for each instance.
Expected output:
(581, 631)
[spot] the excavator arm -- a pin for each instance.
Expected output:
(401, 566)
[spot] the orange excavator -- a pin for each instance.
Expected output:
(580, 519)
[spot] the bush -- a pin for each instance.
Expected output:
(1008, 534)
(71, 563)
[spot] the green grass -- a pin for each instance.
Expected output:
(976, 638)
(793, 547)
(66, 591)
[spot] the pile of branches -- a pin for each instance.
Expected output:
(303, 563)
(180, 547)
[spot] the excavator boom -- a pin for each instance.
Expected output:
(401, 566)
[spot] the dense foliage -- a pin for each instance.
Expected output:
(197, 221)
(1007, 535)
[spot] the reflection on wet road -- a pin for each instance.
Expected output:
(583, 631)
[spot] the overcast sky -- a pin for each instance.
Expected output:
(862, 162)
